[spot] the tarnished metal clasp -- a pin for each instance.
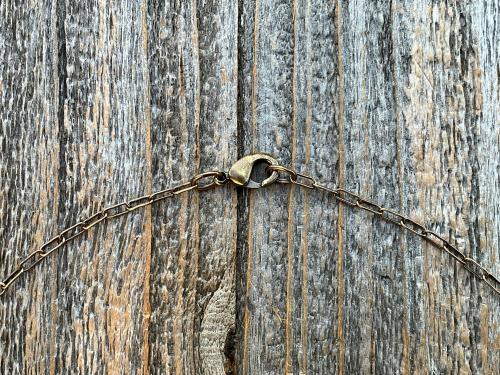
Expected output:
(241, 171)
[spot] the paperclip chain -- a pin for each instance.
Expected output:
(198, 182)
(218, 178)
(354, 200)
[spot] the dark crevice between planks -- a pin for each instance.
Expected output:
(63, 134)
(229, 352)
(63, 95)
(240, 108)
(235, 337)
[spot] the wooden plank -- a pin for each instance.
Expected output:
(330, 289)
(102, 148)
(193, 60)
(29, 92)
(266, 99)
(121, 96)
(105, 101)
(451, 127)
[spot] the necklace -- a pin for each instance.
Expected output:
(241, 174)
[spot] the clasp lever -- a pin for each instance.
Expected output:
(241, 171)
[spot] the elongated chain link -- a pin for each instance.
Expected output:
(217, 178)
(200, 182)
(354, 200)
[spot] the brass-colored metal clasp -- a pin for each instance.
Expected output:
(241, 171)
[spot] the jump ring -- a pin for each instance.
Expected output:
(279, 168)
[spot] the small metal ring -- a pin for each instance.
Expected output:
(214, 174)
(280, 168)
(221, 181)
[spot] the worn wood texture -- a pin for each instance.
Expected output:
(101, 101)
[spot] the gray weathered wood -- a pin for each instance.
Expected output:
(397, 101)
(104, 101)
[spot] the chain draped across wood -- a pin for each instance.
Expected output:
(207, 180)
(78, 229)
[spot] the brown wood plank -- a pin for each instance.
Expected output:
(122, 102)
(193, 61)
(105, 101)
(29, 97)
(335, 290)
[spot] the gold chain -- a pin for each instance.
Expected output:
(240, 175)
(76, 230)
(354, 200)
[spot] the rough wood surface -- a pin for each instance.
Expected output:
(101, 101)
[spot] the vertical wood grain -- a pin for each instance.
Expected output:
(29, 92)
(266, 99)
(116, 114)
(102, 101)
(353, 103)
(193, 66)
(453, 149)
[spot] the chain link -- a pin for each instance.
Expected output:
(200, 182)
(354, 200)
(211, 179)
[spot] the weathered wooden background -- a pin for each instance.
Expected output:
(101, 101)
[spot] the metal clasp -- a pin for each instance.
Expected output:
(241, 171)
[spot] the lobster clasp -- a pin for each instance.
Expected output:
(241, 171)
